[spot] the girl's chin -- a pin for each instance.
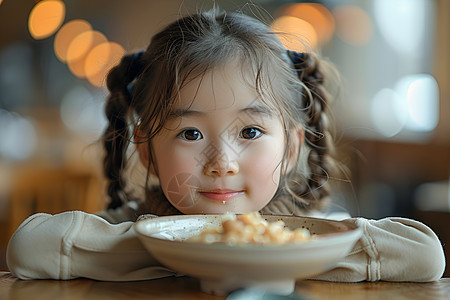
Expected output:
(206, 211)
(206, 206)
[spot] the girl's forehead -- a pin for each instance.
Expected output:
(218, 88)
(223, 87)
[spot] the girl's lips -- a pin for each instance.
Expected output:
(221, 195)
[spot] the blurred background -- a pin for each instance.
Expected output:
(392, 113)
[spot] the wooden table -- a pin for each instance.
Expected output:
(12, 288)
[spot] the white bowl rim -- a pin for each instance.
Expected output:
(352, 232)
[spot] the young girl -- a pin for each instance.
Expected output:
(226, 120)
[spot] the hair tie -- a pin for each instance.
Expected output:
(135, 68)
(295, 57)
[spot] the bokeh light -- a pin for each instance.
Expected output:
(100, 60)
(387, 113)
(295, 34)
(66, 35)
(79, 49)
(314, 13)
(83, 113)
(402, 23)
(18, 136)
(45, 18)
(353, 25)
(420, 97)
(413, 104)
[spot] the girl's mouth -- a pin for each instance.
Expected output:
(221, 195)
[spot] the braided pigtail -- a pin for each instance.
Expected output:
(317, 133)
(116, 137)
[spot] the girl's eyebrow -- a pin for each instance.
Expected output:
(258, 109)
(250, 110)
(182, 112)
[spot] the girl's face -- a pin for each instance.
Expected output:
(221, 150)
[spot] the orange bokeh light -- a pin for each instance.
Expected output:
(353, 25)
(295, 34)
(79, 49)
(316, 14)
(100, 60)
(45, 18)
(66, 35)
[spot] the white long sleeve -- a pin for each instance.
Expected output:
(391, 249)
(76, 244)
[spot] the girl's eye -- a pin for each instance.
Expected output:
(250, 133)
(190, 135)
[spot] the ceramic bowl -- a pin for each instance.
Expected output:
(222, 268)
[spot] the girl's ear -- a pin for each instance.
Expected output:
(297, 137)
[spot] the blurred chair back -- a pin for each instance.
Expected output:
(53, 190)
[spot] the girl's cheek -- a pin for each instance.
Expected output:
(180, 164)
(178, 178)
(264, 160)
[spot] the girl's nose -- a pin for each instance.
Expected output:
(221, 165)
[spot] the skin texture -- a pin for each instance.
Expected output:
(222, 149)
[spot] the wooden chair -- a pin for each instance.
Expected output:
(53, 190)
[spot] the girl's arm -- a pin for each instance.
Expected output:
(76, 244)
(391, 249)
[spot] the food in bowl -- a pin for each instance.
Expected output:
(250, 228)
